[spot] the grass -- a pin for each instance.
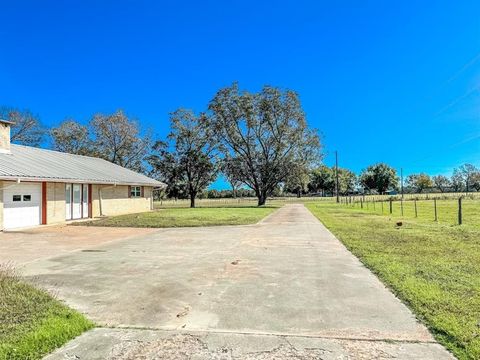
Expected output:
(447, 210)
(433, 267)
(180, 217)
(32, 322)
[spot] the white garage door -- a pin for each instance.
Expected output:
(22, 205)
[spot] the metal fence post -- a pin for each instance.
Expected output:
(415, 204)
(401, 206)
(435, 207)
(391, 206)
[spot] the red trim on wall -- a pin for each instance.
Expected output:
(90, 200)
(44, 203)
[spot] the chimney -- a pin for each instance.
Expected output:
(5, 136)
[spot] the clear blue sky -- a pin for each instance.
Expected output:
(384, 81)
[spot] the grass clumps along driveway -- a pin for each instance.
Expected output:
(186, 217)
(32, 322)
(434, 268)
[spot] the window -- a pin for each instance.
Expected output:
(17, 197)
(27, 197)
(135, 191)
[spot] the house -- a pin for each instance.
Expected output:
(39, 186)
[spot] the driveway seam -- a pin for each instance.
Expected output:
(274, 334)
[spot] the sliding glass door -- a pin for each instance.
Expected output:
(76, 201)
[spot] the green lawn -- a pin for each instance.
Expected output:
(33, 323)
(187, 217)
(433, 267)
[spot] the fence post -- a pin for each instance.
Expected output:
(435, 207)
(460, 210)
(361, 203)
(391, 206)
(415, 204)
(382, 206)
(401, 206)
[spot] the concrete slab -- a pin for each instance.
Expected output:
(26, 245)
(285, 286)
(129, 344)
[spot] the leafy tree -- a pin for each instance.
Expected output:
(228, 168)
(465, 172)
(379, 177)
(475, 181)
(442, 183)
(297, 181)
(266, 135)
(457, 181)
(73, 138)
(166, 167)
(192, 153)
(117, 139)
(419, 182)
(26, 128)
(322, 179)
(347, 181)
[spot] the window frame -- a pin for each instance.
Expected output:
(135, 191)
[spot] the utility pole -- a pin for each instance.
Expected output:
(337, 190)
(401, 181)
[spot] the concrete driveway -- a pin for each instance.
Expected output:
(285, 288)
(20, 247)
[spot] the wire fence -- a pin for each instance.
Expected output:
(451, 209)
(235, 202)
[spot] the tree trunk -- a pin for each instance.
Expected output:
(192, 200)
(262, 198)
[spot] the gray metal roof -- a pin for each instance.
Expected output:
(30, 163)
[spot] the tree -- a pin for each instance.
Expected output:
(265, 133)
(166, 167)
(228, 169)
(379, 177)
(442, 183)
(322, 179)
(457, 181)
(465, 172)
(475, 181)
(297, 181)
(192, 152)
(118, 140)
(347, 181)
(26, 128)
(419, 182)
(73, 138)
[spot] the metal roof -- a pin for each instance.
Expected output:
(34, 164)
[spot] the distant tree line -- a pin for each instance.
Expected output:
(260, 142)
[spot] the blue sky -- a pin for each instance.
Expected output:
(383, 81)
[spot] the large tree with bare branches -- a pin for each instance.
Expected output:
(26, 128)
(117, 139)
(73, 138)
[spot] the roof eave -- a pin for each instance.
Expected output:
(78, 181)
